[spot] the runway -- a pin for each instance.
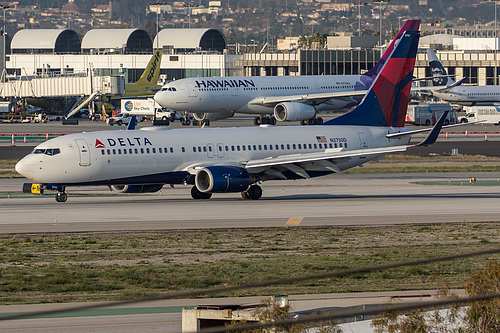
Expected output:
(328, 201)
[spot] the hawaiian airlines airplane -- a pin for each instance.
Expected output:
(215, 160)
(448, 90)
(288, 98)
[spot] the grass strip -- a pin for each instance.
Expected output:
(114, 266)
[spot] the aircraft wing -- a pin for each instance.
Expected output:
(273, 166)
(313, 99)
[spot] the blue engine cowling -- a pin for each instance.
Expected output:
(136, 188)
(222, 179)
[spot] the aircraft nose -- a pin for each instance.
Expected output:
(160, 98)
(25, 168)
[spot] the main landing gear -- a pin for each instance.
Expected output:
(61, 197)
(196, 194)
(254, 192)
(263, 120)
(312, 121)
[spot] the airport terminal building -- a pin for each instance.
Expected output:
(203, 52)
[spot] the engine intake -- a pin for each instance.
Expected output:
(215, 179)
(290, 111)
(136, 188)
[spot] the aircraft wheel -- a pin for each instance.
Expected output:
(256, 121)
(311, 121)
(273, 121)
(303, 122)
(195, 122)
(254, 192)
(188, 122)
(206, 122)
(196, 194)
(61, 197)
(319, 120)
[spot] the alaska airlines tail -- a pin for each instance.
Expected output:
(410, 25)
(386, 102)
(152, 71)
(438, 70)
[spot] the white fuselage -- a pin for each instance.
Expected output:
(469, 95)
(164, 156)
(243, 94)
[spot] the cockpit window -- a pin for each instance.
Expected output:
(168, 89)
(49, 151)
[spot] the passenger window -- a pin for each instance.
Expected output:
(227, 148)
(254, 147)
(288, 146)
(159, 150)
(315, 147)
(171, 149)
(330, 144)
(220, 148)
(310, 146)
(244, 148)
(232, 148)
(260, 147)
(238, 148)
(249, 147)
(142, 150)
(154, 150)
(282, 147)
(136, 151)
(204, 149)
(320, 145)
(102, 152)
(183, 149)
(124, 151)
(340, 144)
(194, 149)
(277, 147)
(147, 150)
(265, 147)
(114, 151)
(119, 151)
(209, 148)
(270, 147)
(300, 146)
(109, 152)
(293, 146)
(345, 145)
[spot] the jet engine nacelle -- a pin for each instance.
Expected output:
(290, 111)
(136, 188)
(222, 179)
(213, 116)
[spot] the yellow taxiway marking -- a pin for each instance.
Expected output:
(294, 221)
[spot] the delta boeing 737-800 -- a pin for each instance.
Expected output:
(287, 98)
(215, 160)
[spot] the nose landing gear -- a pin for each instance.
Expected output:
(61, 197)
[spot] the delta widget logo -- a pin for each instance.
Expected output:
(99, 144)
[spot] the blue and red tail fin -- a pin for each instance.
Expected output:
(386, 102)
(410, 25)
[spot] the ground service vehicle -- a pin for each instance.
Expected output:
(485, 114)
(428, 114)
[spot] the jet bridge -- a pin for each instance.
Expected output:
(62, 86)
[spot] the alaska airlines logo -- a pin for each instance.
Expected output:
(155, 63)
(129, 106)
(124, 142)
(224, 83)
(437, 71)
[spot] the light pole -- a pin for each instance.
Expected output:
(4, 35)
(189, 6)
(157, 4)
(359, 15)
(496, 42)
(380, 19)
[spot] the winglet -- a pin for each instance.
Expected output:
(131, 124)
(433, 134)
